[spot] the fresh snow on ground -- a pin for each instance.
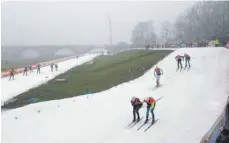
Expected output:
(191, 102)
(22, 83)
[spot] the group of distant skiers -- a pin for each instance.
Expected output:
(25, 72)
(31, 69)
(187, 61)
(151, 103)
(52, 65)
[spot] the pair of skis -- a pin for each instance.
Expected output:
(155, 87)
(148, 126)
(187, 68)
(131, 125)
(181, 69)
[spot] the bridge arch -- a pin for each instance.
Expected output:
(64, 52)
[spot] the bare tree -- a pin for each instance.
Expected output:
(143, 34)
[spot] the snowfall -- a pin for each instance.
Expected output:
(190, 103)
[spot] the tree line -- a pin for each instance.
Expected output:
(203, 22)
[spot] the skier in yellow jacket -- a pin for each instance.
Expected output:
(151, 103)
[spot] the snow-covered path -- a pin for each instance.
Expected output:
(191, 102)
(22, 83)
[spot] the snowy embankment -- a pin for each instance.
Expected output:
(191, 101)
(22, 83)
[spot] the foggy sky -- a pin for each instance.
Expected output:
(73, 23)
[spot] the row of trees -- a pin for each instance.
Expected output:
(205, 20)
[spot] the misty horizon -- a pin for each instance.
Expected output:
(80, 23)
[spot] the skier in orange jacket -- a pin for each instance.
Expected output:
(151, 103)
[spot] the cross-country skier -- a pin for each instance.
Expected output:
(151, 103)
(136, 103)
(38, 68)
(51, 65)
(187, 60)
(12, 74)
(179, 64)
(25, 70)
(56, 67)
(157, 73)
(30, 68)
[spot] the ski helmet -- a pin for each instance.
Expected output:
(147, 99)
(133, 98)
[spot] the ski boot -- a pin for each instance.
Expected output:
(146, 120)
(153, 121)
(138, 119)
(134, 120)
